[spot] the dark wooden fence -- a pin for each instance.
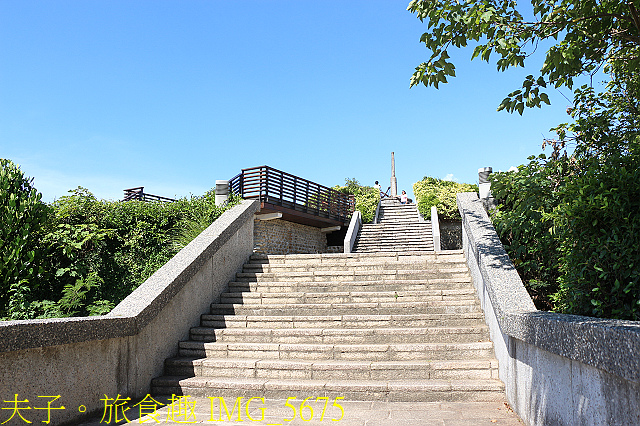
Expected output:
(278, 188)
(139, 194)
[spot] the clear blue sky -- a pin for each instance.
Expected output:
(172, 95)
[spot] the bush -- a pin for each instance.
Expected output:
(573, 233)
(525, 224)
(367, 198)
(22, 215)
(442, 194)
(91, 253)
(599, 229)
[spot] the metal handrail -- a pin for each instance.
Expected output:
(279, 188)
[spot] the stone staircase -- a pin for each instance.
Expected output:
(383, 327)
(399, 228)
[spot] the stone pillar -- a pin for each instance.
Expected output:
(484, 187)
(222, 192)
(394, 182)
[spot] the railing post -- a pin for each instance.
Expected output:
(281, 183)
(222, 192)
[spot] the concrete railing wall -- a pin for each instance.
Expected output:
(558, 369)
(352, 232)
(84, 359)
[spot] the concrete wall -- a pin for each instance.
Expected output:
(84, 359)
(279, 236)
(557, 369)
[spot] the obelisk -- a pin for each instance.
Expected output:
(394, 182)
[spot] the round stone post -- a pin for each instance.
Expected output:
(484, 188)
(222, 192)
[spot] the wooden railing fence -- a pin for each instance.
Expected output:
(278, 188)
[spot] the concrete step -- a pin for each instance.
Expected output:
(268, 298)
(376, 249)
(385, 326)
(459, 266)
(353, 275)
(332, 369)
(357, 259)
(360, 352)
(378, 308)
(335, 336)
(350, 390)
(321, 286)
(341, 321)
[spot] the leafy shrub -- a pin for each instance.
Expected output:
(22, 215)
(599, 229)
(90, 254)
(367, 198)
(440, 193)
(573, 233)
(525, 224)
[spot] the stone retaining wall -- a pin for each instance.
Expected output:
(279, 236)
(557, 369)
(84, 359)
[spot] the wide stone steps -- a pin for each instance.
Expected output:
(331, 369)
(332, 336)
(248, 298)
(341, 321)
(323, 286)
(376, 248)
(354, 390)
(379, 308)
(362, 352)
(347, 276)
(381, 327)
(400, 228)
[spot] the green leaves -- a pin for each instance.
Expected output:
(590, 36)
(82, 256)
(22, 215)
(440, 193)
(366, 197)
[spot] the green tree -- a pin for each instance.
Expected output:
(570, 222)
(367, 198)
(589, 36)
(22, 215)
(440, 193)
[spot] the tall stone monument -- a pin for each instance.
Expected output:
(394, 182)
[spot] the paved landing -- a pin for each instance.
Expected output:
(337, 412)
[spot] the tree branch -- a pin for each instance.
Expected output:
(634, 14)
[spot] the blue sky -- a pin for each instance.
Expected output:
(172, 95)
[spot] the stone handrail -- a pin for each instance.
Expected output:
(119, 353)
(375, 217)
(352, 232)
(557, 369)
(435, 229)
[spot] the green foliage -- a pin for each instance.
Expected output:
(571, 224)
(589, 36)
(22, 215)
(440, 193)
(92, 253)
(599, 231)
(199, 219)
(525, 223)
(367, 198)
